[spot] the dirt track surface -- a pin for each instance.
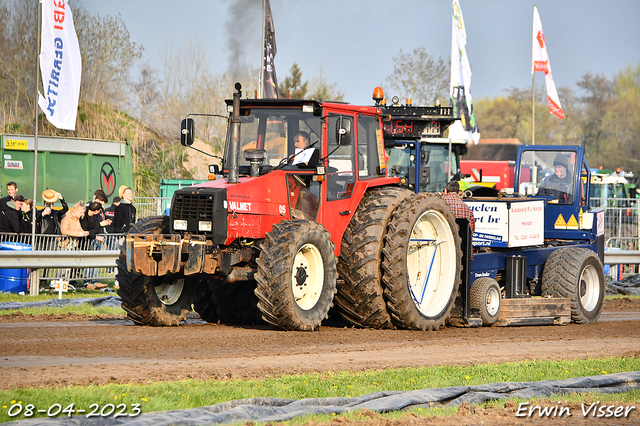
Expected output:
(44, 352)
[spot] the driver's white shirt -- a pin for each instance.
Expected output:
(303, 156)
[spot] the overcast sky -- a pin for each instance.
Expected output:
(352, 42)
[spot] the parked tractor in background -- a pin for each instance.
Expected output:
(282, 237)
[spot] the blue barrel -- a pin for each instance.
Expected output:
(14, 280)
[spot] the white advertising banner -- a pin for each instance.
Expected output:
(60, 65)
(508, 224)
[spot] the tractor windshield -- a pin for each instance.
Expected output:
(435, 165)
(275, 131)
(550, 173)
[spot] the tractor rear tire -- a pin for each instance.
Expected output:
(576, 273)
(486, 297)
(236, 303)
(157, 301)
(296, 275)
(360, 293)
(422, 250)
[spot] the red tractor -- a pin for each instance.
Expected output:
(280, 239)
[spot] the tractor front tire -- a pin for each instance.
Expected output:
(576, 273)
(422, 263)
(360, 293)
(156, 301)
(296, 278)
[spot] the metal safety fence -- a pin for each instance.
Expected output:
(622, 234)
(16, 246)
(151, 206)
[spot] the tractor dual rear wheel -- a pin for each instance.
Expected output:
(576, 273)
(157, 301)
(422, 261)
(296, 277)
(360, 294)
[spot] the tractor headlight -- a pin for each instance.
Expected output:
(204, 226)
(180, 225)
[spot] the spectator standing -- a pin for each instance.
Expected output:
(50, 218)
(110, 213)
(11, 216)
(70, 226)
(70, 223)
(125, 213)
(90, 222)
(26, 222)
(12, 190)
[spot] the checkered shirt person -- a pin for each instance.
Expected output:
(459, 208)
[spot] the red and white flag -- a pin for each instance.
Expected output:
(540, 62)
(60, 64)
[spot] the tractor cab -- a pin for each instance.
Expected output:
(560, 175)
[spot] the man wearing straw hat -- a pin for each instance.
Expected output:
(50, 217)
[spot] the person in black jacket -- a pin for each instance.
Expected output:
(50, 218)
(12, 190)
(110, 212)
(11, 216)
(125, 214)
(26, 222)
(90, 222)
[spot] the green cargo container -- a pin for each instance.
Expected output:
(169, 186)
(74, 167)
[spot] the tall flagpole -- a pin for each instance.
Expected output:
(35, 147)
(34, 289)
(533, 110)
(261, 79)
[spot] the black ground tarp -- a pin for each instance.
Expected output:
(100, 302)
(629, 286)
(277, 410)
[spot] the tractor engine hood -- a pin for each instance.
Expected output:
(247, 209)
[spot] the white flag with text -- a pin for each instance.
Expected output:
(540, 62)
(460, 85)
(60, 65)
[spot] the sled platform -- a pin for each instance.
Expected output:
(534, 311)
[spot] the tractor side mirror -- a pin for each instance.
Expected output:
(343, 132)
(186, 132)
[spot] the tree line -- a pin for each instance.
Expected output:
(123, 97)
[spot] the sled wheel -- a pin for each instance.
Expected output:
(360, 294)
(576, 273)
(422, 263)
(487, 298)
(157, 301)
(296, 278)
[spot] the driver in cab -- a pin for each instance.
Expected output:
(559, 185)
(305, 156)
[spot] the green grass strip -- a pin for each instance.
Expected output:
(191, 394)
